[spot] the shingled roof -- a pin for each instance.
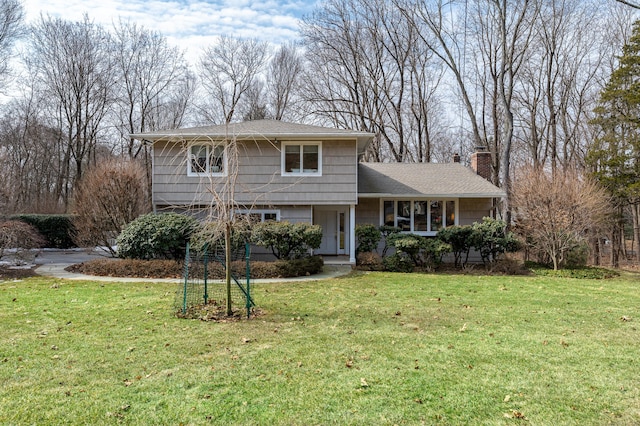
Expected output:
(258, 130)
(447, 180)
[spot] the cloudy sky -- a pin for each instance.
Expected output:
(191, 24)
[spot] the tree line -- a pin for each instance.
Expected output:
(429, 78)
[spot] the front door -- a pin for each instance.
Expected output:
(334, 236)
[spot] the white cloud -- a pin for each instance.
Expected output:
(191, 25)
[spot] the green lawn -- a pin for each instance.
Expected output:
(374, 348)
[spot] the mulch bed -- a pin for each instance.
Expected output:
(8, 273)
(217, 313)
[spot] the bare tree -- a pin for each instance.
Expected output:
(425, 78)
(254, 104)
(629, 3)
(558, 87)
(30, 157)
(11, 18)
(110, 195)
(150, 73)
(154, 86)
(557, 213)
(337, 87)
(221, 211)
(283, 79)
(227, 71)
(496, 35)
(73, 65)
(370, 70)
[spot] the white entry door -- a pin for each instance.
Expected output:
(334, 236)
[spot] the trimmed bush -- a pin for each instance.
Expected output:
(370, 261)
(287, 240)
(459, 238)
(398, 262)
(368, 237)
(156, 236)
(422, 251)
(299, 267)
(57, 229)
(491, 240)
(408, 244)
(387, 232)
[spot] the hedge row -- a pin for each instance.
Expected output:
(488, 238)
(57, 229)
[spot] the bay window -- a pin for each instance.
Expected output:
(425, 217)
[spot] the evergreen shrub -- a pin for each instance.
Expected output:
(156, 236)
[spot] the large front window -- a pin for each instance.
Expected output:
(424, 217)
(206, 160)
(301, 158)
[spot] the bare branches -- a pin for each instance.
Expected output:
(630, 4)
(283, 77)
(371, 70)
(557, 213)
(11, 18)
(110, 196)
(73, 65)
(228, 70)
(155, 85)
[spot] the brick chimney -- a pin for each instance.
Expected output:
(456, 158)
(481, 162)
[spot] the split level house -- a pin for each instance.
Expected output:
(273, 170)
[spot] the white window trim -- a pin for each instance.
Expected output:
(412, 209)
(209, 146)
(261, 212)
(283, 171)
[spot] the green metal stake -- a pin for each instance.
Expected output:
(247, 256)
(186, 280)
(206, 272)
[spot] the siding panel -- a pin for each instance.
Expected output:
(474, 209)
(259, 178)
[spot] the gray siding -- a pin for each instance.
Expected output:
(296, 214)
(473, 210)
(259, 179)
(368, 211)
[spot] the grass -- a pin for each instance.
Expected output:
(375, 348)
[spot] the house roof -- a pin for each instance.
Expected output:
(397, 180)
(256, 130)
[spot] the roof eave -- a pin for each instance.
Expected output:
(413, 195)
(362, 140)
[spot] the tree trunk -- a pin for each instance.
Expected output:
(227, 262)
(635, 210)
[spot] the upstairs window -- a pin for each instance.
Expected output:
(206, 160)
(302, 158)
